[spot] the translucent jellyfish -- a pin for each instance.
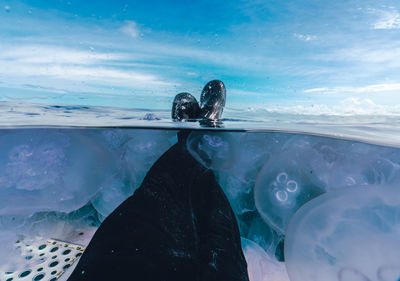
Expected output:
(344, 163)
(110, 195)
(260, 266)
(142, 149)
(238, 191)
(214, 150)
(48, 169)
(238, 181)
(115, 138)
(351, 234)
(285, 183)
(262, 234)
(137, 151)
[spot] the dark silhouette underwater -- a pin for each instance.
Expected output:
(178, 225)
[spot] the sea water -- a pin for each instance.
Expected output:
(316, 197)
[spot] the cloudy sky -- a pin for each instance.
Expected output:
(139, 54)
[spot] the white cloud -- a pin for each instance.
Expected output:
(376, 53)
(65, 69)
(47, 54)
(316, 90)
(388, 19)
(304, 37)
(376, 88)
(130, 28)
(192, 74)
(346, 107)
(82, 73)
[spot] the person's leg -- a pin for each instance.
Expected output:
(221, 254)
(185, 108)
(212, 100)
(151, 235)
(177, 226)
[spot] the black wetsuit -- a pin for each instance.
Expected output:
(177, 226)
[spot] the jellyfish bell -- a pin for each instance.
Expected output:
(282, 187)
(350, 234)
(212, 149)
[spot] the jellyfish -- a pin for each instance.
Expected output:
(213, 150)
(285, 183)
(351, 234)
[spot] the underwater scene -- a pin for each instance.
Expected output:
(308, 207)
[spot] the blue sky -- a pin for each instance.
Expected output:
(139, 54)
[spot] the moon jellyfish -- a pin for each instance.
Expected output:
(138, 151)
(46, 170)
(264, 236)
(141, 150)
(260, 266)
(111, 194)
(351, 274)
(238, 181)
(351, 234)
(389, 273)
(346, 163)
(284, 184)
(213, 150)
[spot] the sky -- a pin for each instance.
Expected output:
(282, 55)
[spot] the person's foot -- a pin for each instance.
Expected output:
(185, 107)
(212, 100)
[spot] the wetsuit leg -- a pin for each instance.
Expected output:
(151, 235)
(177, 226)
(221, 253)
